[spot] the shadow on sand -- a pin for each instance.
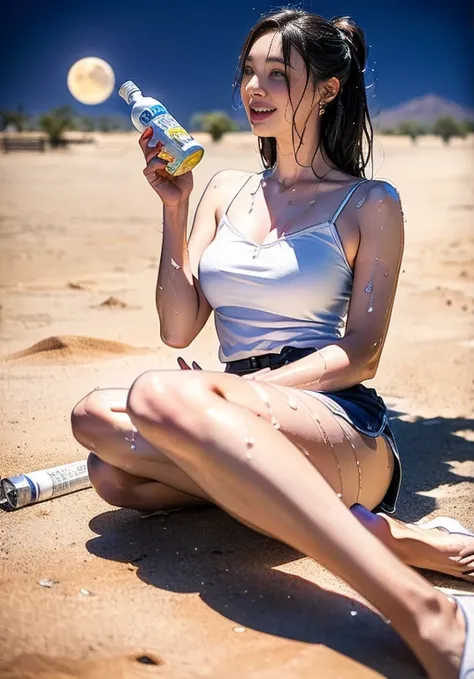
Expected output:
(232, 567)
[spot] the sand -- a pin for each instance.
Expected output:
(196, 593)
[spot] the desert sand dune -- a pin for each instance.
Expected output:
(72, 349)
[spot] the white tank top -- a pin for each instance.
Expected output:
(293, 291)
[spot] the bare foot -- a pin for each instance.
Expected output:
(433, 548)
(443, 641)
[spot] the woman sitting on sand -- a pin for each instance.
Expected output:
(300, 264)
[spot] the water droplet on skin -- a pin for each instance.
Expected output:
(370, 309)
(160, 288)
(292, 403)
(360, 203)
(263, 394)
(133, 446)
(339, 495)
(249, 441)
(275, 422)
(368, 289)
(312, 202)
(385, 273)
(174, 264)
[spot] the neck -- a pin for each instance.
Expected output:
(288, 170)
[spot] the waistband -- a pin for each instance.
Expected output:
(272, 361)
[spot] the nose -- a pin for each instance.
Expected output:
(253, 86)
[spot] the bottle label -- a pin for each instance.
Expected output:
(48, 483)
(150, 113)
(179, 135)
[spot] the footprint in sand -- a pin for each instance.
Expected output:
(37, 666)
(72, 349)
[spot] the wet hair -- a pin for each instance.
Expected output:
(329, 48)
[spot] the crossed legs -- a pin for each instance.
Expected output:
(277, 460)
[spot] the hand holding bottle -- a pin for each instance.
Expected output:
(172, 190)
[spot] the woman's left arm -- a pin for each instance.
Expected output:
(356, 356)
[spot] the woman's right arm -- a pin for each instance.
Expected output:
(182, 307)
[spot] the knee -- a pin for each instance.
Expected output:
(169, 399)
(87, 417)
(108, 482)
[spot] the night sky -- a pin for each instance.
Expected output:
(185, 53)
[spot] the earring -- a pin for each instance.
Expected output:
(322, 109)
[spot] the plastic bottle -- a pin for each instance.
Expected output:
(44, 484)
(180, 149)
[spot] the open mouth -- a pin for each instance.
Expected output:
(260, 115)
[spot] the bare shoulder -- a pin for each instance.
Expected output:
(377, 190)
(381, 205)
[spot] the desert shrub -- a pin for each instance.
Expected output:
(447, 127)
(412, 129)
(216, 123)
(18, 119)
(56, 122)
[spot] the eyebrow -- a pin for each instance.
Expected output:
(277, 59)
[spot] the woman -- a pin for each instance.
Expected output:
(300, 263)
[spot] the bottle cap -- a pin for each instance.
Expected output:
(127, 89)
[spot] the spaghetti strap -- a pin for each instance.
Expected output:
(245, 182)
(346, 200)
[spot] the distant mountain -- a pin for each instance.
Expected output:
(425, 110)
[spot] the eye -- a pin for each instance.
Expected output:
(247, 69)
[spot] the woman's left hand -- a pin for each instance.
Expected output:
(195, 366)
(184, 366)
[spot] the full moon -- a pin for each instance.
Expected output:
(91, 80)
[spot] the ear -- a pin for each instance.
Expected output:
(329, 90)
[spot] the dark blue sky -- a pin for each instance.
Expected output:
(185, 53)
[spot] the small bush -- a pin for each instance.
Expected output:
(447, 127)
(412, 129)
(216, 123)
(56, 123)
(17, 119)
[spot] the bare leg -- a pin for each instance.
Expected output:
(205, 425)
(126, 470)
(133, 478)
(125, 490)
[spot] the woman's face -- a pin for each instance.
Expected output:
(264, 86)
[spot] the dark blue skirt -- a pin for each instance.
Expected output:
(359, 406)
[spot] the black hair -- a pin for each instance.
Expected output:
(329, 48)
